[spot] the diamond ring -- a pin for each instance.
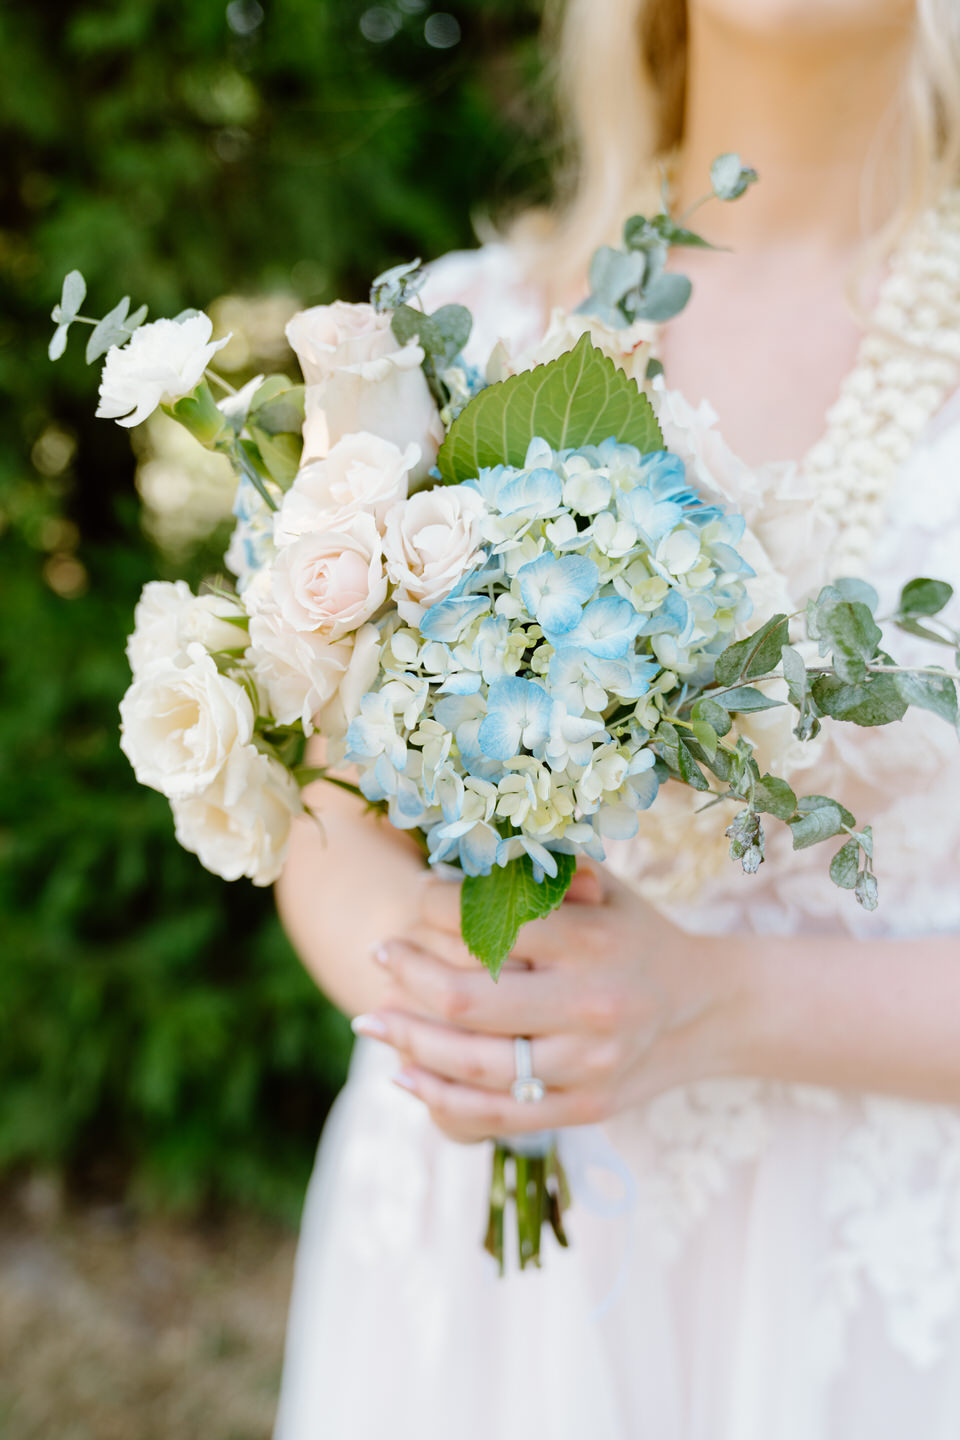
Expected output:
(526, 1089)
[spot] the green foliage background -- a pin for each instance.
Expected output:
(157, 1035)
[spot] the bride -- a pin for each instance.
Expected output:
(775, 1254)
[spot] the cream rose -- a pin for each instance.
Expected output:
(331, 581)
(181, 723)
(169, 618)
(309, 679)
(629, 348)
(361, 472)
(360, 378)
(240, 825)
(430, 541)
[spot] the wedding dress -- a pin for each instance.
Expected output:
(786, 1265)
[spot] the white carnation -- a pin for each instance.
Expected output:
(169, 618)
(182, 721)
(159, 364)
(240, 824)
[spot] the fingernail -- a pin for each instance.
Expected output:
(405, 1081)
(370, 1025)
(381, 955)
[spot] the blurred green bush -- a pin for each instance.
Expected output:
(157, 1036)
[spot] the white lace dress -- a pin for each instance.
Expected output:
(789, 1265)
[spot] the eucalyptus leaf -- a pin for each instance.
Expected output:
(72, 296)
(58, 342)
(758, 654)
(852, 588)
(867, 890)
(397, 285)
(774, 796)
(579, 399)
(929, 692)
(729, 177)
(795, 674)
(689, 769)
(818, 818)
(875, 701)
(845, 866)
(494, 907)
(109, 331)
(707, 736)
(924, 597)
(654, 368)
(852, 634)
(712, 713)
(674, 234)
(746, 699)
(614, 273)
(664, 298)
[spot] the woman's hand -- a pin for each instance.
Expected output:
(620, 1005)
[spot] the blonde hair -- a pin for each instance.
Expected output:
(620, 73)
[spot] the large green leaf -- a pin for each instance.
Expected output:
(494, 907)
(580, 399)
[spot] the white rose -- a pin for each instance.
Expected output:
(331, 581)
(301, 673)
(359, 377)
(430, 541)
(361, 472)
(159, 364)
(240, 825)
(629, 348)
(169, 618)
(181, 722)
(334, 719)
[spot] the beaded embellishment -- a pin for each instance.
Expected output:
(907, 365)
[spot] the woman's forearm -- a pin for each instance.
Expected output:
(348, 882)
(872, 1015)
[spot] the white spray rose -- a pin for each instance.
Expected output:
(182, 722)
(629, 348)
(309, 679)
(430, 541)
(169, 618)
(361, 472)
(359, 377)
(240, 825)
(331, 581)
(159, 364)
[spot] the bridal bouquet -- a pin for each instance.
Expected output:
(498, 599)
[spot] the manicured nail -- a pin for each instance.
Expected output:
(370, 1025)
(405, 1081)
(381, 955)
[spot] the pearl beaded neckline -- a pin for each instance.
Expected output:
(907, 366)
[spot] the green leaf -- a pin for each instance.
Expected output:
(494, 907)
(712, 714)
(111, 330)
(280, 453)
(853, 589)
(72, 296)
(852, 634)
(707, 736)
(818, 818)
(845, 866)
(277, 406)
(875, 701)
(746, 699)
(581, 398)
(758, 654)
(663, 298)
(58, 342)
(929, 692)
(924, 597)
(614, 273)
(774, 796)
(453, 323)
(690, 771)
(397, 285)
(654, 368)
(675, 234)
(442, 335)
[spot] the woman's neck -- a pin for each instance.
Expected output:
(808, 113)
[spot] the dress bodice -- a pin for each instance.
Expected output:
(877, 496)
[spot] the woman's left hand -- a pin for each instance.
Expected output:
(619, 1003)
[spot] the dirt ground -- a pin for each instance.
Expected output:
(114, 1327)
